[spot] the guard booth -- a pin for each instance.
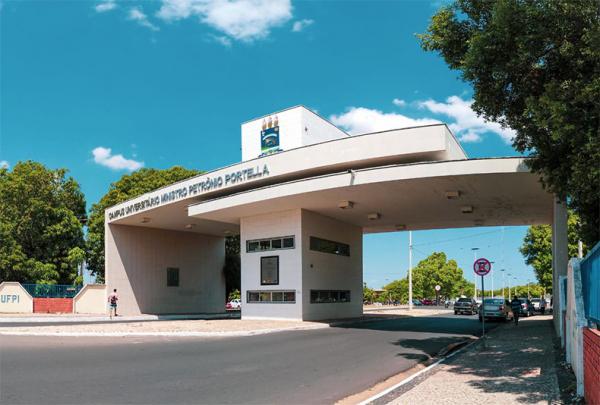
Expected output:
(301, 200)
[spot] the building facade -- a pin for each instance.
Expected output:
(301, 200)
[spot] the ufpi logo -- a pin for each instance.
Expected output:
(9, 298)
(269, 136)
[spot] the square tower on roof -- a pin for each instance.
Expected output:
(284, 130)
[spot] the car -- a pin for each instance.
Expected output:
(539, 305)
(234, 304)
(427, 301)
(496, 308)
(465, 306)
(526, 307)
(417, 302)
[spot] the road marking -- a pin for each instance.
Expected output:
(417, 374)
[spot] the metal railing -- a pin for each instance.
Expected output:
(590, 280)
(52, 290)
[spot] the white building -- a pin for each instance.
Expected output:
(301, 200)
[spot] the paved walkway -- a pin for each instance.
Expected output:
(516, 365)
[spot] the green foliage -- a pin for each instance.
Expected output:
(432, 271)
(234, 295)
(537, 249)
(233, 268)
(128, 187)
(535, 66)
(368, 293)
(41, 215)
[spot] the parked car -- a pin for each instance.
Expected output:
(496, 308)
(417, 303)
(234, 304)
(427, 301)
(465, 306)
(526, 307)
(539, 305)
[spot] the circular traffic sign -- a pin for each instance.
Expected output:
(482, 266)
(437, 288)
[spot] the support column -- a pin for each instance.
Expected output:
(560, 257)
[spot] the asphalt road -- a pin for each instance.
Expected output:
(318, 366)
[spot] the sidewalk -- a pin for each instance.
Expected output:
(515, 365)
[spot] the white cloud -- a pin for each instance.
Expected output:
(136, 14)
(360, 120)
(104, 157)
(301, 24)
(4, 164)
(467, 125)
(105, 6)
(399, 102)
(244, 20)
(222, 39)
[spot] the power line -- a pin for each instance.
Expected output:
(454, 239)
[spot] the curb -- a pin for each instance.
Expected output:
(453, 349)
(97, 319)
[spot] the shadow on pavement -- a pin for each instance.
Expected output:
(516, 359)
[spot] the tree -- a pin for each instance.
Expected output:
(429, 272)
(535, 67)
(437, 270)
(537, 249)
(129, 186)
(41, 231)
(368, 293)
(232, 269)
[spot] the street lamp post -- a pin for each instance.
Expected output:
(509, 286)
(475, 249)
(503, 295)
(410, 292)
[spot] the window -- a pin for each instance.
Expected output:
(328, 246)
(277, 297)
(329, 296)
(172, 277)
(263, 245)
(269, 270)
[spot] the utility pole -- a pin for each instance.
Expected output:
(509, 286)
(475, 249)
(410, 247)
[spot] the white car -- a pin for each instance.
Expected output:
(234, 304)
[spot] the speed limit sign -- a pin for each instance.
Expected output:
(482, 266)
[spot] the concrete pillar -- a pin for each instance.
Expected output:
(560, 256)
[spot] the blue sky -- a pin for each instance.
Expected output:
(164, 83)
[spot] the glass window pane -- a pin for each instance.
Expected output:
(265, 297)
(265, 244)
(269, 270)
(253, 296)
(252, 246)
(289, 296)
(288, 243)
(277, 296)
(276, 244)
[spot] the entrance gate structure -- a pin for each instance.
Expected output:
(301, 203)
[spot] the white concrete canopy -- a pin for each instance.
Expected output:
(411, 196)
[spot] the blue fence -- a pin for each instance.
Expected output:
(52, 290)
(590, 278)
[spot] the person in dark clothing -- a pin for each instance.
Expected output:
(515, 306)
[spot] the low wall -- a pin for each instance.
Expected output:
(53, 305)
(14, 298)
(574, 323)
(90, 300)
(591, 360)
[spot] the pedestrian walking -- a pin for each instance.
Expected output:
(112, 303)
(515, 306)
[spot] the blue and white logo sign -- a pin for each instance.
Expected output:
(269, 136)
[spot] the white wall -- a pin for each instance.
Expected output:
(136, 265)
(316, 129)
(284, 223)
(297, 127)
(575, 322)
(325, 271)
(14, 298)
(92, 299)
